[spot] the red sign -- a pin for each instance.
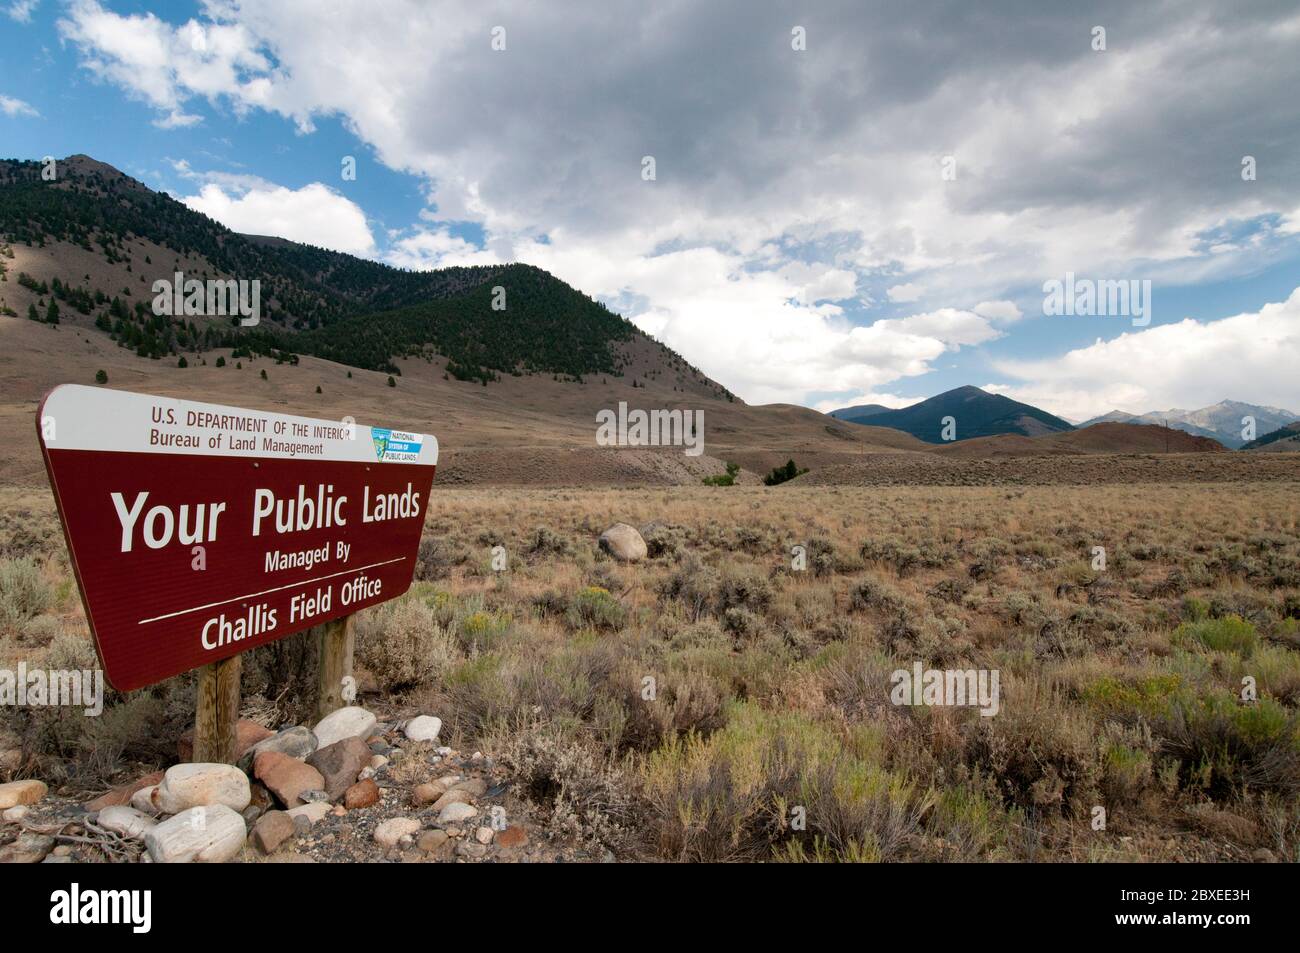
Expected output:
(198, 531)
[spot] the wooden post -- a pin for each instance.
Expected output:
(334, 645)
(217, 710)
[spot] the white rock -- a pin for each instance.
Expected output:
(423, 728)
(623, 542)
(351, 722)
(202, 785)
(483, 835)
(456, 812)
(206, 835)
(13, 815)
(142, 800)
(378, 761)
(389, 833)
(126, 821)
(313, 811)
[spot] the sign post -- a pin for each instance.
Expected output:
(197, 532)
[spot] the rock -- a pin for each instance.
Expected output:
(206, 835)
(484, 835)
(1263, 855)
(378, 761)
(13, 815)
(123, 794)
(272, 829)
(297, 742)
(142, 800)
(314, 811)
(624, 543)
(247, 734)
(457, 812)
(427, 792)
(474, 787)
(350, 722)
(423, 728)
(126, 821)
(362, 794)
(393, 830)
(301, 823)
(21, 792)
(453, 797)
(339, 765)
(432, 841)
(512, 836)
(285, 777)
(202, 785)
(468, 848)
(27, 849)
(366, 773)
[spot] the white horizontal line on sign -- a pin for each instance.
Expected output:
(267, 592)
(77, 417)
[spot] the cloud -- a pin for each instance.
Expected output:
(1251, 357)
(16, 107)
(787, 181)
(314, 214)
(1005, 311)
(436, 248)
(904, 293)
(21, 11)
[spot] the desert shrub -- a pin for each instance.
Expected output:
(401, 645)
(745, 590)
(970, 822)
(662, 539)
(594, 608)
(740, 622)
(871, 594)
(546, 542)
(41, 630)
(723, 479)
(692, 585)
(579, 792)
(437, 557)
(684, 703)
(24, 593)
(1225, 634)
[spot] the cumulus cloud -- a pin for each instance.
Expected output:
(314, 214)
(16, 107)
(1187, 364)
(787, 182)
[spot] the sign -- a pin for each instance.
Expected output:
(198, 531)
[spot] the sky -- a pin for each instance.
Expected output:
(825, 203)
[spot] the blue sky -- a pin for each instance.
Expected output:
(799, 241)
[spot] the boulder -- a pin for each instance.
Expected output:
(247, 734)
(285, 777)
(313, 812)
(297, 742)
(29, 848)
(339, 764)
(423, 728)
(202, 785)
(457, 812)
(350, 722)
(272, 829)
(362, 794)
(389, 833)
(126, 821)
(205, 835)
(123, 794)
(142, 800)
(21, 792)
(624, 543)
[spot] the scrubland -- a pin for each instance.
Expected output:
(715, 703)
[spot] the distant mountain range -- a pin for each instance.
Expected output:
(974, 413)
(1221, 421)
(1284, 438)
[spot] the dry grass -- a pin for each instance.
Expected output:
(712, 703)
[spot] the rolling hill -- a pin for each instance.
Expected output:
(976, 413)
(1221, 421)
(1283, 439)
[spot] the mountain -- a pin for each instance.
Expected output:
(92, 242)
(1286, 439)
(976, 413)
(858, 412)
(1221, 421)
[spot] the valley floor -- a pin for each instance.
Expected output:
(725, 699)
